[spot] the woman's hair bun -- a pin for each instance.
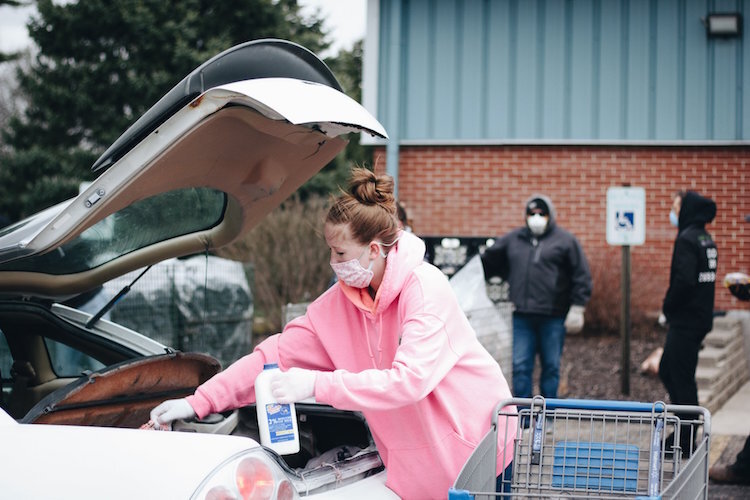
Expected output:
(371, 189)
(368, 207)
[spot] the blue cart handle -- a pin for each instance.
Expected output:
(584, 404)
(601, 404)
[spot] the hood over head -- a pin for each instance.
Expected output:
(696, 210)
(406, 254)
(545, 203)
(540, 201)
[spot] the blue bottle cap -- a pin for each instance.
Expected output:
(270, 366)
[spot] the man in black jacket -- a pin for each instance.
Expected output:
(689, 302)
(550, 284)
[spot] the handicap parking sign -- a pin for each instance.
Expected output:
(624, 220)
(626, 216)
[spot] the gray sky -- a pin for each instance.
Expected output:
(13, 34)
(345, 19)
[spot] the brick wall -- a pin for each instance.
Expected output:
(480, 191)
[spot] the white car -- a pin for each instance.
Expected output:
(199, 170)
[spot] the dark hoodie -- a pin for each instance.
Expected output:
(547, 273)
(689, 303)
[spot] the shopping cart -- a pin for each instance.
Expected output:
(572, 448)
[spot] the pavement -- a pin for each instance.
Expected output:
(730, 426)
(733, 418)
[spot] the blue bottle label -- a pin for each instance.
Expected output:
(280, 425)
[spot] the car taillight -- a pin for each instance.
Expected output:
(286, 491)
(249, 475)
(220, 493)
(254, 480)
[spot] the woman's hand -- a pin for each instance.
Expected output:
(293, 385)
(171, 410)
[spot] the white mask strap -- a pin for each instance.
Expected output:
(382, 253)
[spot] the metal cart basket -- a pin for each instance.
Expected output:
(572, 448)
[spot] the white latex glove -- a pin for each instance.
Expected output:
(171, 410)
(662, 320)
(293, 385)
(574, 319)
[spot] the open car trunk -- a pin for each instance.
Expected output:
(335, 446)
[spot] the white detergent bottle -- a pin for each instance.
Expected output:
(277, 422)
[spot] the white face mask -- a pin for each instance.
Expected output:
(537, 224)
(353, 273)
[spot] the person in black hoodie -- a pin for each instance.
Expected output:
(550, 285)
(739, 471)
(689, 302)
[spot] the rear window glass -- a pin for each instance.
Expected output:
(69, 362)
(145, 222)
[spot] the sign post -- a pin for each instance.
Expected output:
(626, 226)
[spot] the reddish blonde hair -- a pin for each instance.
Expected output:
(369, 207)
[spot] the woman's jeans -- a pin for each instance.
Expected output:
(534, 333)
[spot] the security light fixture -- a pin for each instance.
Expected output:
(728, 24)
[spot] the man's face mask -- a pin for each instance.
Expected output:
(537, 223)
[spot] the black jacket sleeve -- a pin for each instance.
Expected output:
(495, 259)
(580, 276)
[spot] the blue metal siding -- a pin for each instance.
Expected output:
(445, 98)
(637, 85)
(612, 75)
(666, 70)
(471, 49)
(498, 79)
(550, 114)
(561, 71)
(583, 91)
(724, 84)
(525, 71)
(695, 78)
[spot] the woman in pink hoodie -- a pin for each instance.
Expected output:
(388, 340)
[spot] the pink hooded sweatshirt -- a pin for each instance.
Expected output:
(409, 361)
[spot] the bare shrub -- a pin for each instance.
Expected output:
(289, 258)
(604, 309)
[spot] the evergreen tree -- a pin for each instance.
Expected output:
(101, 64)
